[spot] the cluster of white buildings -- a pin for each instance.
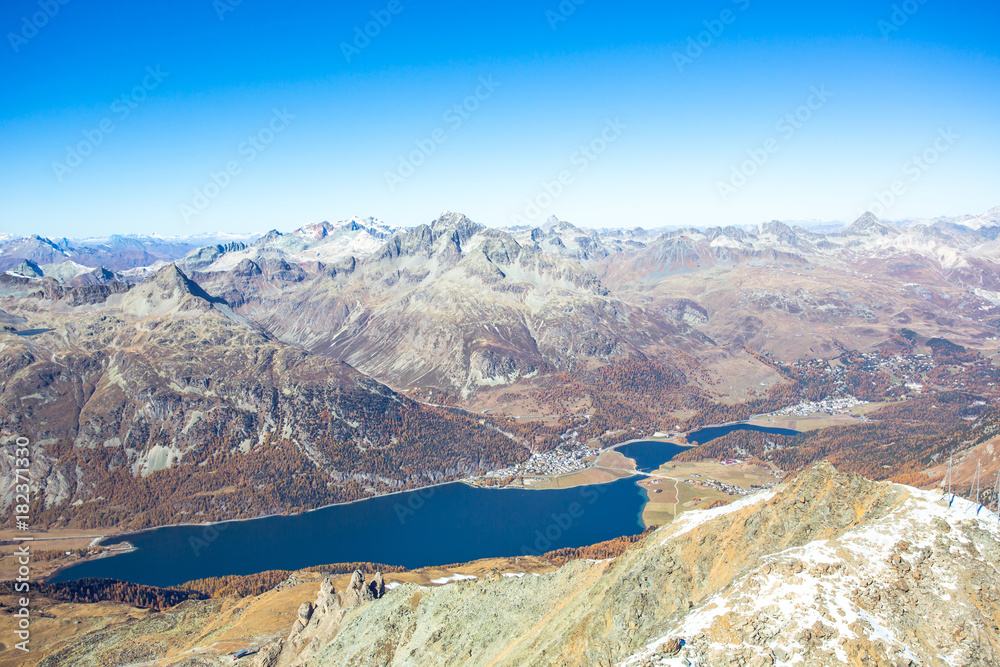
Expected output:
(732, 489)
(558, 461)
(831, 406)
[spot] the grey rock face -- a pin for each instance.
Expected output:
(268, 655)
(356, 593)
(377, 586)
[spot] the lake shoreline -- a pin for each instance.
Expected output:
(458, 524)
(421, 491)
(468, 481)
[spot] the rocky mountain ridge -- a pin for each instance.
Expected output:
(412, 313)
(360, 237)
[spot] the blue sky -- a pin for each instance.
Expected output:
(251, 116)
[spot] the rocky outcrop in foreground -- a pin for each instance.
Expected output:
(830, 569)
(319, 621)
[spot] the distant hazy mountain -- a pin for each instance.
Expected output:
(115, 252)
(975, 222)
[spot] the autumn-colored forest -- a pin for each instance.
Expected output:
(896, 443)
(600, 551)
(153, 597)
(218, 481)
(100, 590)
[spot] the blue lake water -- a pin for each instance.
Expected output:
(446, 524)
(453, 523)
(702, 436)
(650, 454)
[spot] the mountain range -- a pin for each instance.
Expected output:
(164, 369)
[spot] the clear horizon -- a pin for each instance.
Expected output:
(807, 224)
(197, 116)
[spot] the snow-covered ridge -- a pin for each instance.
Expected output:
(688, 521)
(829, 594)
(947, 243)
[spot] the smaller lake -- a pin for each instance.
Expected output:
(651, 454)
(701, 436)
